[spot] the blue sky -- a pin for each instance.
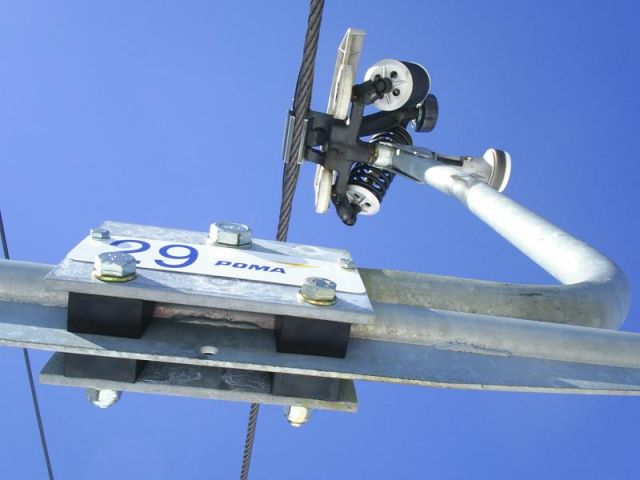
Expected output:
(168, 113)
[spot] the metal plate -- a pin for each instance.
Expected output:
(218, 292)
(201, 382)
(257, 263)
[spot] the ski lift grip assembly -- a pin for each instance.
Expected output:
(179, 330)
(350, 172)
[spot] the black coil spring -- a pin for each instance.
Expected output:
(376, 180)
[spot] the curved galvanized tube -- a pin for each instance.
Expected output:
(595, 291)
(586, 304)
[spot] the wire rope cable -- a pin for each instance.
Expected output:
(301, 103)
(27, 363)
(248, 443)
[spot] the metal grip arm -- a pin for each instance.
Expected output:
(595, 291)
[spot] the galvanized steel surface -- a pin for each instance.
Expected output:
(450, 350)
(407, 343)
(593, 278)
(216, 292)
(21, 282)
(200, 382)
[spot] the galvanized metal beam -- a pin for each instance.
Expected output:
(448, 365)
(405, 345)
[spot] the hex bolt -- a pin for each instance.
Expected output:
(114, 267)
(100, 233)
(347, 263)
(229, 235)
(318, 291)
(103, 398)
(296, 415)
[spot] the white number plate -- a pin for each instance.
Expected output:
(220, 261)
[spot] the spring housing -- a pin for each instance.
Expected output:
(376, 180)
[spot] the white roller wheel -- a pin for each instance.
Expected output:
(322, 184)
(341, 100)
(500, 162)
(404, 86)
(367, 201)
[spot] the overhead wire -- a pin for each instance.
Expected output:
(301, 104)
(27, 363)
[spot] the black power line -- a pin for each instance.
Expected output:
(301, 103)
(27, 363)
(3, 239)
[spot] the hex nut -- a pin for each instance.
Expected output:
(100, 233)
(347, 263)
(297, 415)
(115, 266)
(103, 398)
(229, 234)
(318, 291)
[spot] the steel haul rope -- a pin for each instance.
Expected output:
(301, 103)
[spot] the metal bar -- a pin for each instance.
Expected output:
(582, 304)
(592, 281)
(406, 345)
(488, 335)
(21, 282)
(181, 339)
(442, 365)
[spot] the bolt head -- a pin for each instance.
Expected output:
(100, 233)
(114, 264)
(296, 415)
(103, 398)
(318, 290)
(347, 263)
(229, 234)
